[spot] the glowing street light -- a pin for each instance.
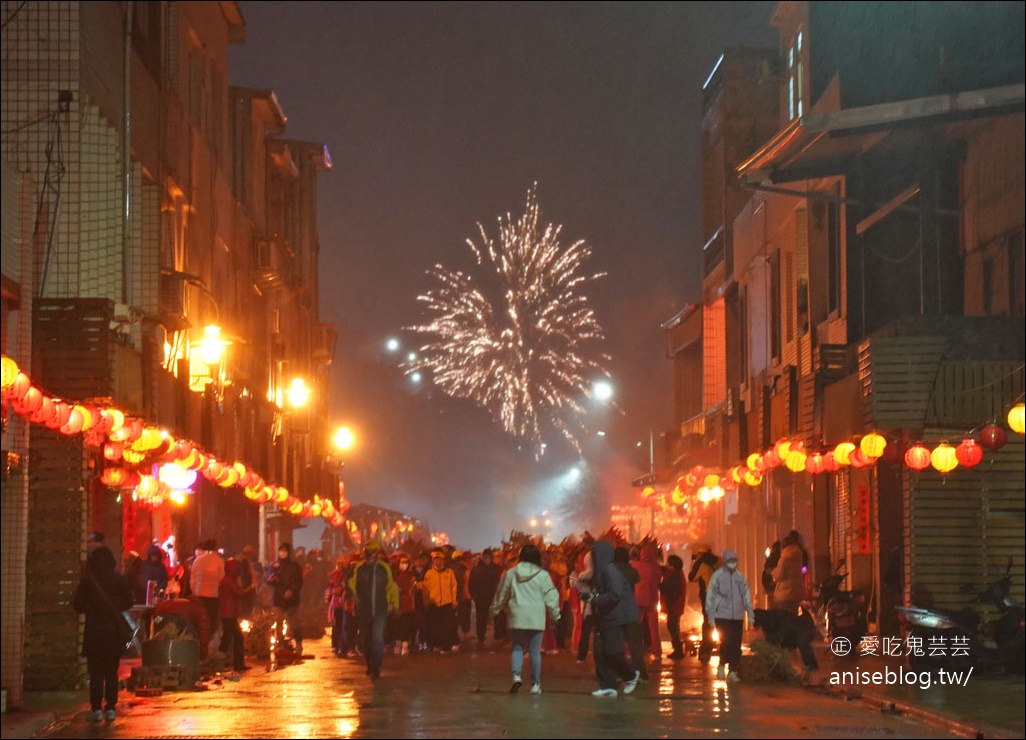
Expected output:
(298, 393)
(344, 439)
(212, 346)
(603, 390)
(392, 344)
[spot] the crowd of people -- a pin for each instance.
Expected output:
(601, 594)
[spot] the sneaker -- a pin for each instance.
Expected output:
(536, 688)
(582, 660)
(110, 715)
(98, 715)
(610, 693)
(455, 648)
(721, 672)
(628, 688)
(733, 677)
(517, 683)
(676, 655)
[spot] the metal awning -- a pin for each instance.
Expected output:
(824, 144)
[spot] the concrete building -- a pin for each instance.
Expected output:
(871, 283)
(160, 253)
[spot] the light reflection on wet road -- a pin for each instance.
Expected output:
(465, 695)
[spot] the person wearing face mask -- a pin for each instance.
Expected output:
(728, 599)
(406, 621)
(286, 578)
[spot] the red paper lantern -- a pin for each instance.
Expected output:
(43, 413)
(993, 437)
(114, 477)
(18, 387)
(969, 453)
(858, 459)
(74, 423)
(917, 456)
(29, 402)
(830, 463)
(113, 451)
(814, 463)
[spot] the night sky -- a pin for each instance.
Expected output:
(442, 115)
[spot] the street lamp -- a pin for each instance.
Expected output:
(344, 439)
(292, 399)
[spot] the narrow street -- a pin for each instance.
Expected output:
(466, 695)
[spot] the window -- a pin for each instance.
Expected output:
(795, 77)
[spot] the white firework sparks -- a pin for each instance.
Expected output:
(518, 337)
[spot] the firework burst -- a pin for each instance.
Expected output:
(517, 335)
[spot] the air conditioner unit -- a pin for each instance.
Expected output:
(172, 295)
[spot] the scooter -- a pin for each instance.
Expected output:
(838, 612)
(963, 638)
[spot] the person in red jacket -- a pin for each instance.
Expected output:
(230, 596)
(646, 593)
(406, 623)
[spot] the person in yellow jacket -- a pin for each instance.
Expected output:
(440, 590)
(376, 595)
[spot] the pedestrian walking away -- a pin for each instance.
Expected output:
(614, 607)
(529, 595)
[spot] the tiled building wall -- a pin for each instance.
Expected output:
(96, 190)
(40, 67)
(17, 210)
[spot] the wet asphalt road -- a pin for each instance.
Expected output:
(465, 695)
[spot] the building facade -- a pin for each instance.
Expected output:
(876, 286)
(160, 252)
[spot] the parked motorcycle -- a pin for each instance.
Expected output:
(838, 612)
(966, 638)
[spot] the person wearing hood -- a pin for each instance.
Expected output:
(285, 576)
(529, 595)
(377, 595)
(101, 596)
(614, 607)
(727, 601)
(646, 591)
(153, 569)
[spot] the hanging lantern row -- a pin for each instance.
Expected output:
(129, 445)
(871, 447)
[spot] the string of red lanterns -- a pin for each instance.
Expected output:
(792, 454)
(130, 446)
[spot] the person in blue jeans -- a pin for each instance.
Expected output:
(376, 595)
(527, 593)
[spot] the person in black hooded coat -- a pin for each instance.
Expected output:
(614, 607)
(102, 595)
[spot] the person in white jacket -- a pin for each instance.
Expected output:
(727, 601)
(528, 594)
